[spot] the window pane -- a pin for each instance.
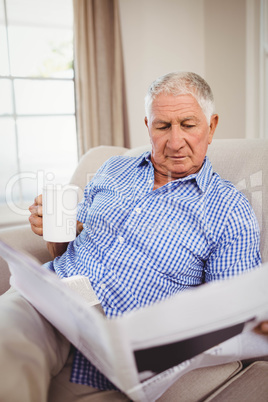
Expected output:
(40, 13)
(5, 97)
(8, 160)
(38, 51)
(44, 97)
(47, 149)
(3, 42)
(4, 70)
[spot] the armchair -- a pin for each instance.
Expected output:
(243, 162)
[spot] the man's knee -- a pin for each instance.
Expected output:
(31, 350)
(23, 329)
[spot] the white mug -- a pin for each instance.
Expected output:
(59, 212)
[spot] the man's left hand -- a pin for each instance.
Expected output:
(262, 328)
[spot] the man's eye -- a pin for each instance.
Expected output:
(188, 125)
(163, 128)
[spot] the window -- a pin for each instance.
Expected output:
(37, 104)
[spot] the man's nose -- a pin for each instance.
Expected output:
(176, 138)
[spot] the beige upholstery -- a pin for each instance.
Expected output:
(90, 162)
(197, 384)
(252, 383)
(244, 162)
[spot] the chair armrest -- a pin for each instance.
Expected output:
(21, 238)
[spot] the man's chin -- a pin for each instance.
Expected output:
(178, 168)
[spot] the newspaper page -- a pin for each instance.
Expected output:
(145, 351)
(192, 330)
(81, 285)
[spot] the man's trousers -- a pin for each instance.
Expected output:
(36, 360)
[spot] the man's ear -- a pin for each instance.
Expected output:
(146, 121)
(213, 124)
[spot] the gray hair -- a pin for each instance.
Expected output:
(182, 83)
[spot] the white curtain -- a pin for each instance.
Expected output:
(99, 75)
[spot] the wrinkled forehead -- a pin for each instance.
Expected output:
(171, 105)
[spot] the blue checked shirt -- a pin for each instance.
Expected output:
(139, 246)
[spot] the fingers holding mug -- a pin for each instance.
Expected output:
(36, 217)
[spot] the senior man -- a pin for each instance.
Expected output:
(148, 228)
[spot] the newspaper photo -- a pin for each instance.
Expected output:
(145, 351)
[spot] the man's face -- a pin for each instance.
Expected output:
(180, 134)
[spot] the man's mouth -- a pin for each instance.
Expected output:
(174, 157)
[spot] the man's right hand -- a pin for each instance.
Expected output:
(36, 221)
(36, 217)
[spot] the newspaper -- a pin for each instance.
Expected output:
(145, 351)
(82, 286)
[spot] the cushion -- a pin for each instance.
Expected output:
(199, 383)
(249, 385)
(21, 238)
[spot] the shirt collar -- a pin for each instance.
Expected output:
(144, 158)
(202, 177)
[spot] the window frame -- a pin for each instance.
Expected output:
(15, 115)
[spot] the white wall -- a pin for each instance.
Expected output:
(225, 57)
(158, 36)
(210, 37)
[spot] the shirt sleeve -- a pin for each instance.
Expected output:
(238, 249)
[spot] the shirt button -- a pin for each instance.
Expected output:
(121, 239)
(150, 181)
(138, 210)
(103, 286)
